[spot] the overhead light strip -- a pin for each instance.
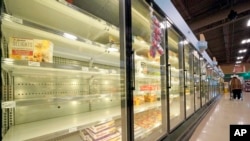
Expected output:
(69, 36)
(242, 50)
(245, 41)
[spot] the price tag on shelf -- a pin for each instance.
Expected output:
(34, 64)
(8, 104)
(73, 129)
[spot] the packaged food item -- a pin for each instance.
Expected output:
(138, 100)
(116, 136)
(148, 119)
(101, 126)
(102, 133)
(30, 49)
(150, 97)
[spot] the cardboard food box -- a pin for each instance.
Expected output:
(138, 100)
(150, 97)
(30, 49)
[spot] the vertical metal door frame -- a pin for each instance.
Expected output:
(194, 84)
(200, 79)
(184, 77)
(164, 78)
(126, 57)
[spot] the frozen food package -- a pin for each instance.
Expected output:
(36, 50)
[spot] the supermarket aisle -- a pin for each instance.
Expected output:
(215, 125)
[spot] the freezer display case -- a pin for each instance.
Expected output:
(197, 82)
(149, 94)
(189, 80)
(176, 77)
(62, 76)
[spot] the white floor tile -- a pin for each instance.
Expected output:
(215, 125)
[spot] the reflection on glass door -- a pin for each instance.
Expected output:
(176, 86)
(196, 74)
(150, 78)
(189, 81)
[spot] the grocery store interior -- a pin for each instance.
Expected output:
(123, 70)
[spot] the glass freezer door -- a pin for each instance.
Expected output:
(175, 82)
(196, 74)
(189, 81)
(150, 67)
(203, 82)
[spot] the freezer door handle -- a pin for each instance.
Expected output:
(133, 70)
(169, 72)
(185, 77)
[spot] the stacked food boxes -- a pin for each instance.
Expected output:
(104, 131)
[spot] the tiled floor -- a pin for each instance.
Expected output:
(215, 125)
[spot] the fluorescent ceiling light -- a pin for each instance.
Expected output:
(242, 50)
(245, 41)
(237, 62)
(248, 23)
(69, 36)
(240, 57)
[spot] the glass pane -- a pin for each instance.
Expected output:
(150, 78)
(63, 69)
(197, 81)
(203, 81)
(176, 91)
(189, 81)
(209, 79)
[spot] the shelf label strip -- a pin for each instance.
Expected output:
(8, 104)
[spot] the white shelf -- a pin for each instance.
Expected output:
(63, 47)
(16, 67)
(59, 16)
(66, 124)
(147, 106)
(84, 24)
(62, 124)
(145, 76)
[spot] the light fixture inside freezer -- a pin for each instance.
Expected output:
(69, 36)
(112, 49)
(74, 102)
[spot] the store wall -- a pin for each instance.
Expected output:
(228, 69)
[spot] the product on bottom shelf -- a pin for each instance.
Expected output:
(150, 97)
(103, 125)
(148, 119)
(106, 131)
